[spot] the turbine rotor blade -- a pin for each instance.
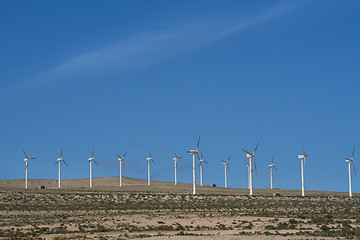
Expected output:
(228, 159)
(124, 154)
(206, 162)
(275, 168)
(175, 155)
(255, 165)
(65, 163)
(118, 156)
(353, 167)
(304, 150)
(95, 162)
(248, 152)
(197, 146)
(197, 155)
(61, 152)
(93, 153)
(150, 153)
(256, 147)
(25, 154)
(352, 156)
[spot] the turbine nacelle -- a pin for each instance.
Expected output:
(91, 159)
(120, 158)
(149, 159)
(249, 155)
(302, 156)
(192, 151)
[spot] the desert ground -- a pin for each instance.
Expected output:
(165, 211)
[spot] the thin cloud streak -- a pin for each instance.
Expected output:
(151, 47)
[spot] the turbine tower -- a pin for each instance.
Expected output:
(271, 166)
(194, 152)
(121, 159)
(201, 160)
(59, 160)
(248, 167)
(351, 161)
(148, 160)
(90, 160)
(27, 159)
(303, 159)
(226, 166)
(176, 158)
(251, 157)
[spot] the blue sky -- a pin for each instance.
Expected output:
(127, 76)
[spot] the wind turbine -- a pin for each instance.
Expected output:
(176, 158)
(149, 159)
(27, 159)
(121, 159)
(226, 166)
(251, 157)
(303, 159)
(194, 152)
(349, 161)
(271, 166)
(90, 160)
(59, 160)
(201, 160)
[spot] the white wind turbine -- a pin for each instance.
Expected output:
(194, 152)
(349, 161)
(201, 160)
(303, 159)
(176, 158)
(90, 160)
(27, 159)
(121, 159)
(226, 166)
(271, 166)
(251, 157)
(59, 160)
(148, 160)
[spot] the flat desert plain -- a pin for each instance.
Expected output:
(165, 211)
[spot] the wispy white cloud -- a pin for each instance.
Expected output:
(151, 47)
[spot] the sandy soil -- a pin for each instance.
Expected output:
(230, 237)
